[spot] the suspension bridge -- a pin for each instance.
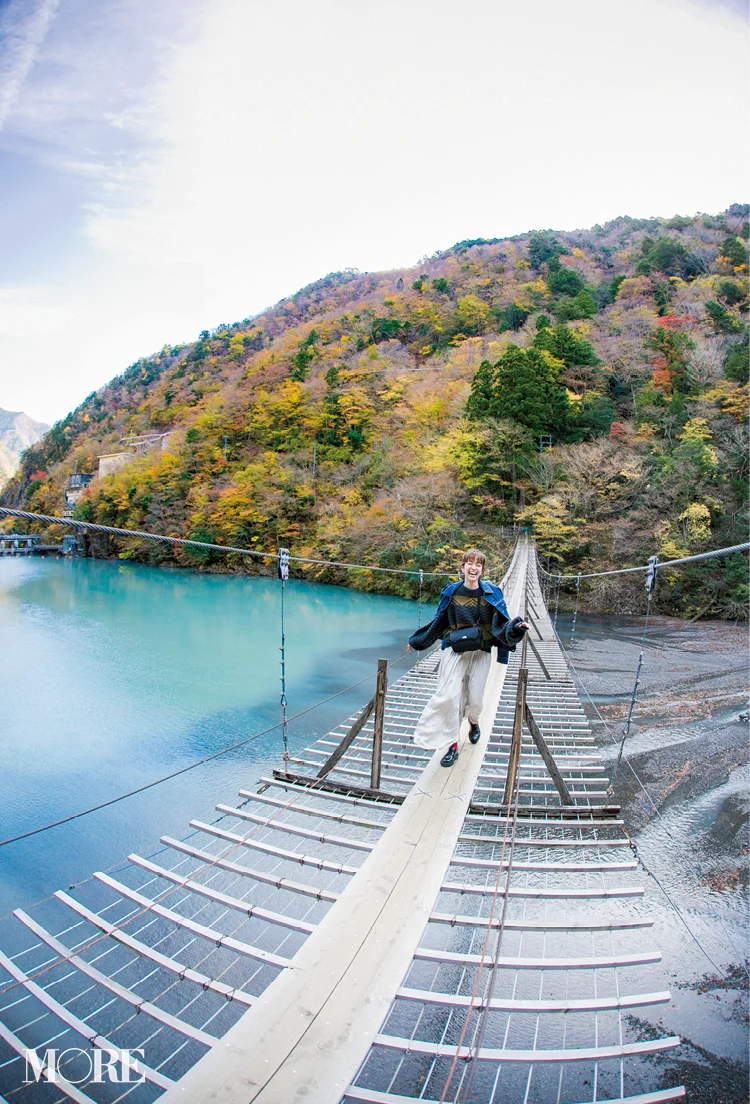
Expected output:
(365, 926)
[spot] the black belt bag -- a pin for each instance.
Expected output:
(470, 638)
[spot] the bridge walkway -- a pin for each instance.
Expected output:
(323, 946)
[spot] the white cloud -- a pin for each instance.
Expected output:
(367, 134)
(278, 141)
(22, 31)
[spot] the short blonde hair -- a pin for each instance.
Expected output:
(474, 554)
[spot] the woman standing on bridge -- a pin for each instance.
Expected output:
(471, 617)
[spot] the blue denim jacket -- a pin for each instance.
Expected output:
(428, 634)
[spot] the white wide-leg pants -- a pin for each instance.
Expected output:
(460, 689)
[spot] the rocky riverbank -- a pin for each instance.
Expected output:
(683, 788)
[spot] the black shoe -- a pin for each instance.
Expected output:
(450, 757)
(474, 732)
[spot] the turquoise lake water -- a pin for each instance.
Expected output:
(114, 674)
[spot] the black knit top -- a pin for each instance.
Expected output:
(462, 612)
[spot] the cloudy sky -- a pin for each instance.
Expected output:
(168, 165)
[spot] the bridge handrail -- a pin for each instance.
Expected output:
(647, 567)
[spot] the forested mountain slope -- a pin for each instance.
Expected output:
(17, 432)
(391, 417)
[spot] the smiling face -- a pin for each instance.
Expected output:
(471, 569)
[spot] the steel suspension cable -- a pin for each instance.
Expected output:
(631, 843)
(190, 766)
(575, 612)
(484, 1016)
(650, 589)
(311, 785)
(664, 563)
(111, 530)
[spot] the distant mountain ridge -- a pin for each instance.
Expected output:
(17, 432)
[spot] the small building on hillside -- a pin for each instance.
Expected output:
(137, 444)
(74, 488)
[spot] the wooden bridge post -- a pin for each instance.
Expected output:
(377, 731)
(515, 745)
(523, 678)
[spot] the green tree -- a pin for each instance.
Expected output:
(565, 282)
(693, 461)
(482, 392)
(737, 363)
(573, 351)
(734, 250)
(666, 255)
(523, 388)
(384, 329)
(301, 362)
(662, 295)
(512, 317)
(489, 455)
(544, 247)
(720, 320)
(614, 285)
(568, 309)
(732, 292)
(590, 417)
(506, 447)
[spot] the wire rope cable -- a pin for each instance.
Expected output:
(650, 589)
(633, 846)
(203, 867)
(112, 530)
(575, 611)
(664, 563)
(190, 766)
(283, 556)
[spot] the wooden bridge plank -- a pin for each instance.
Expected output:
(67, 1017)
(372, 1096)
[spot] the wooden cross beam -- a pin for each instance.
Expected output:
(547, 756)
